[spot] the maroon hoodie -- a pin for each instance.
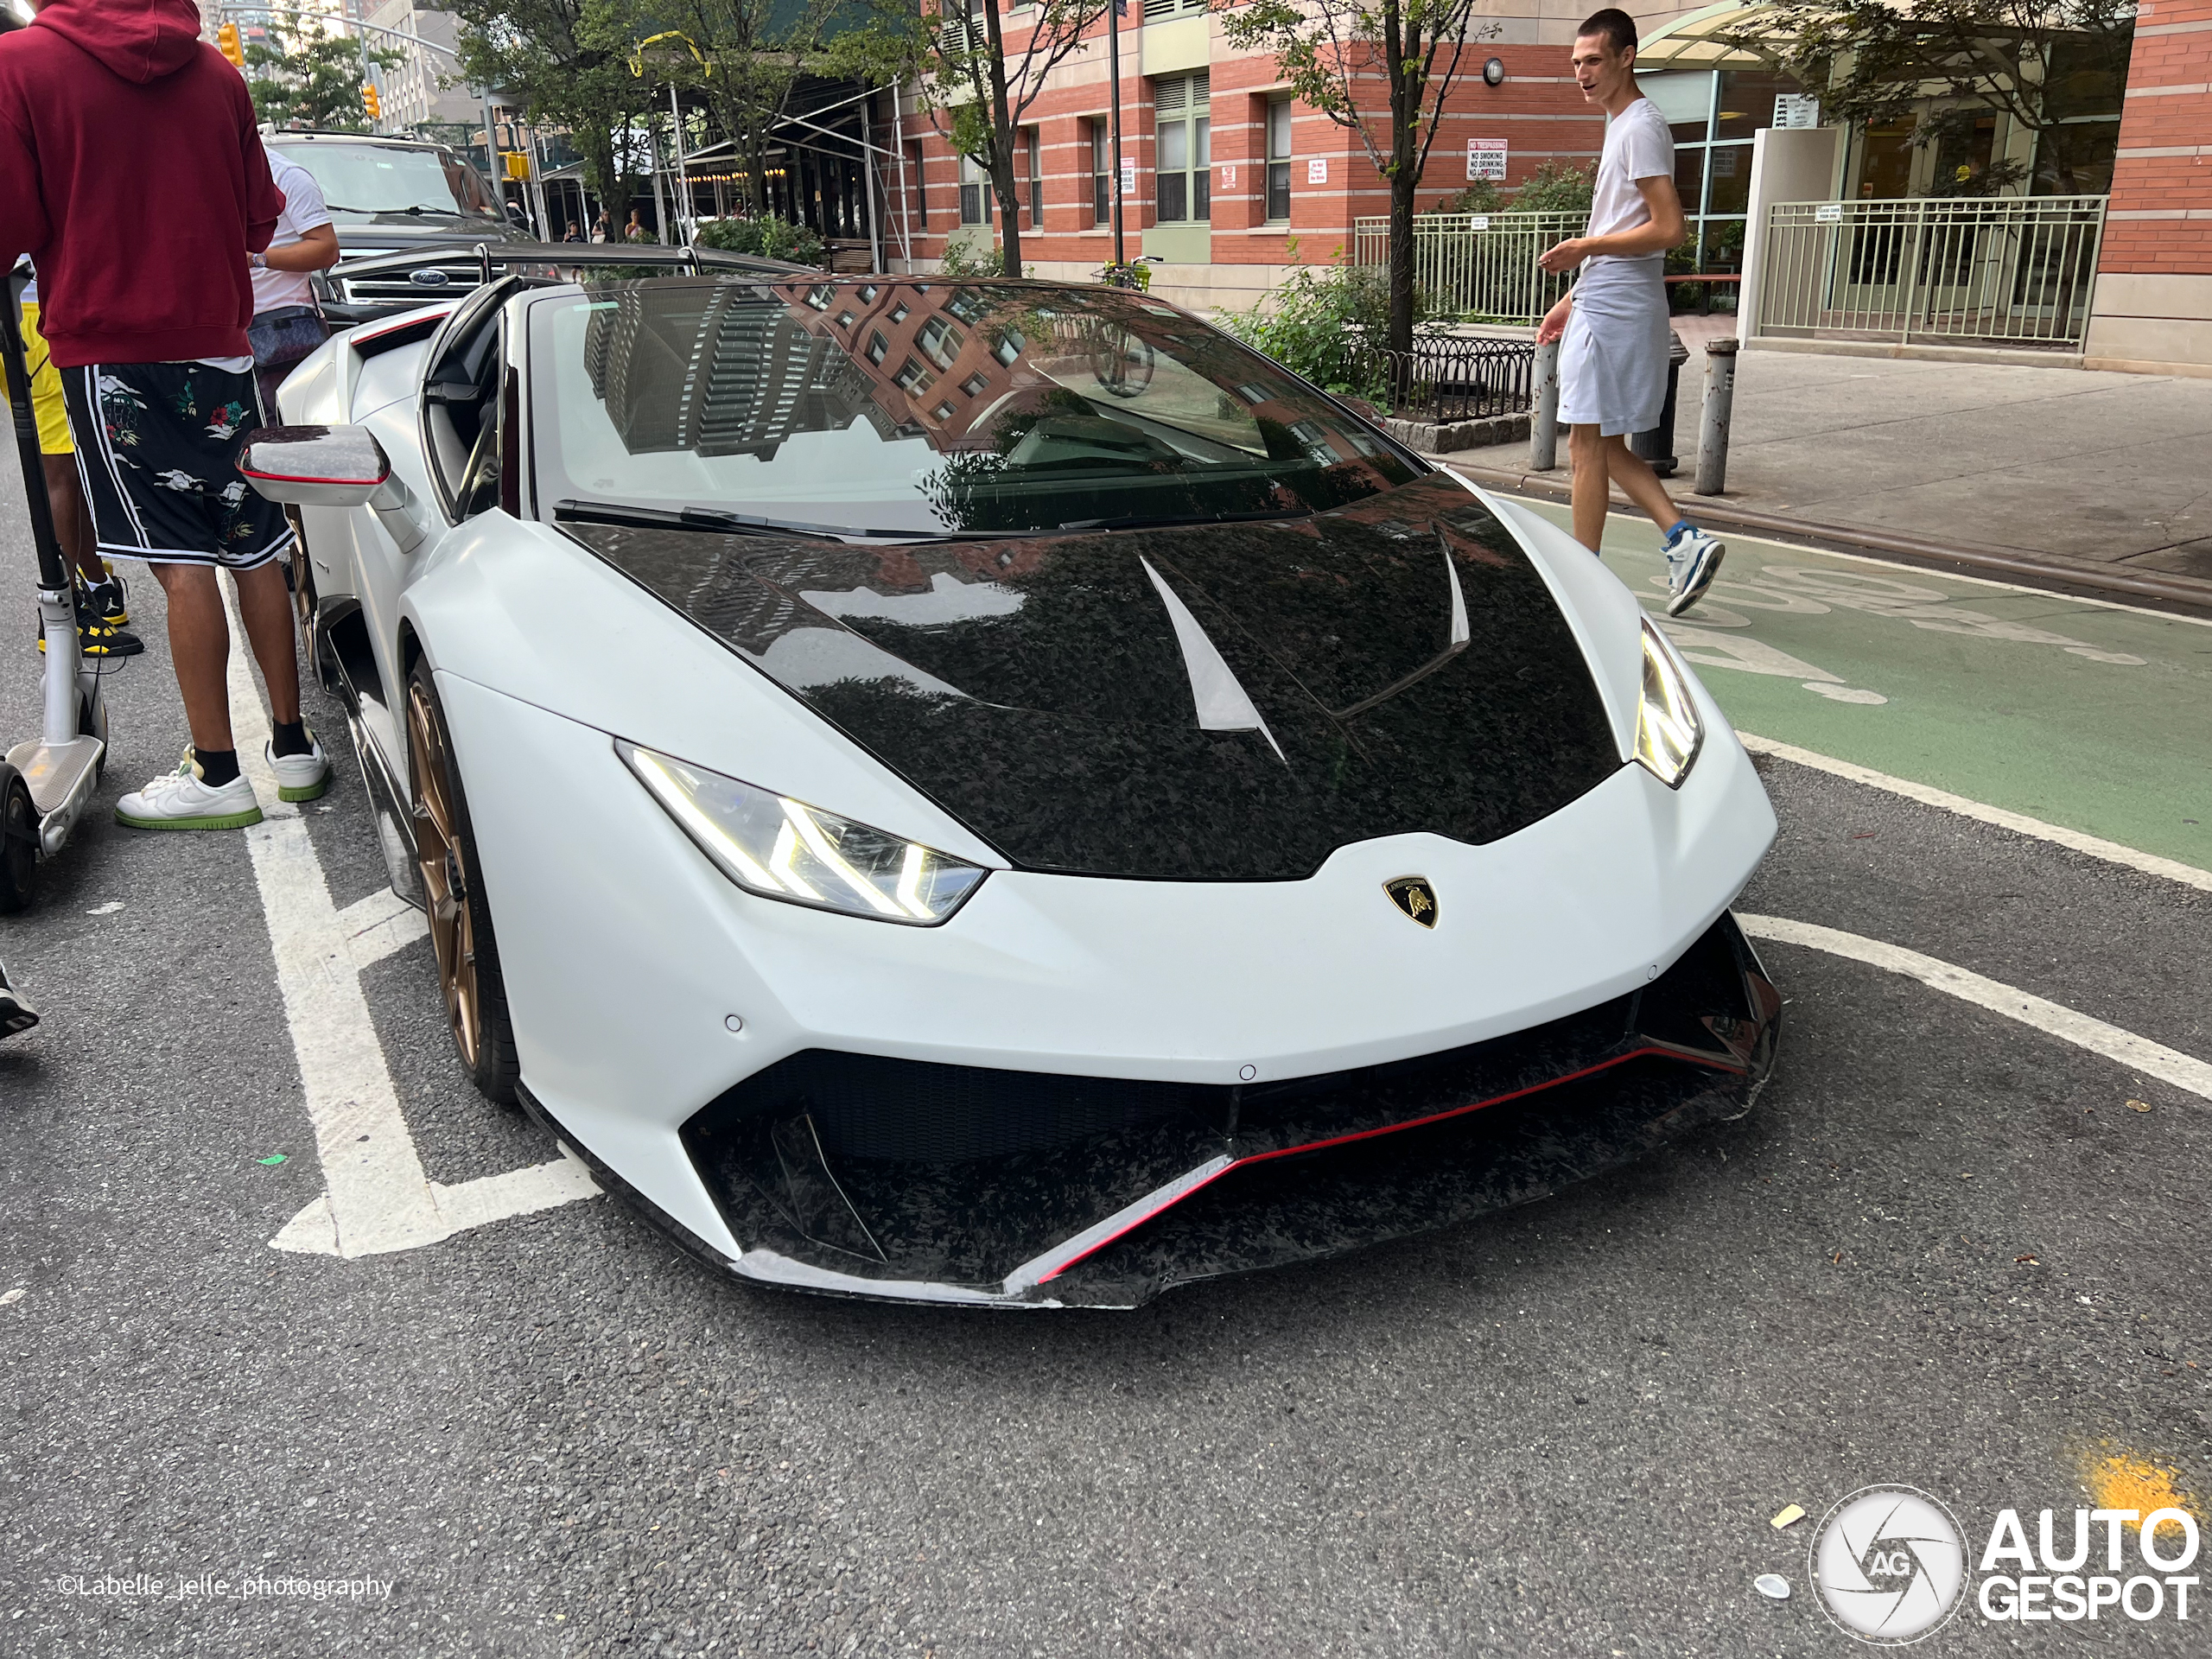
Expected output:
(131, 172)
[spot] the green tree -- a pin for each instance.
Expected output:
(314, 83)
(1946, 64)
(954, 51)
(568, 61)
(747, 57)
(1333, 52)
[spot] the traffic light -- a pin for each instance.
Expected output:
(226, 43)
(517, 166)
(370, 102)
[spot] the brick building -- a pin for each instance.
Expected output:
(1229, 180)
(2153, 307)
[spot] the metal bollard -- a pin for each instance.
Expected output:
(1543, 422)
(1713, 430)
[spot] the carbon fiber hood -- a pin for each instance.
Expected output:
(1226, 701)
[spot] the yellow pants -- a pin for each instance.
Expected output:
(46, 390)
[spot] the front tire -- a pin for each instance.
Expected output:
(461, 918)
(18, 842)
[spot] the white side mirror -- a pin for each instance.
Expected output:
(331, 466)
(316, 465)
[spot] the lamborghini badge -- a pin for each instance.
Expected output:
(1413, 895)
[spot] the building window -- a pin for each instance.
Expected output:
(1182, 125)
(1713, 116)
(1102, 179)
(1279, 160)
(940, 341)
(878, 347)
(975, 192)
(921, 191)
(1033, 145)
(975, 385)
(911, 377)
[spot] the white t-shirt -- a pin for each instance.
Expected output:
(304, 210)
(1639, 145)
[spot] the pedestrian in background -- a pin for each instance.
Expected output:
(1612, 326)
(132, 170)
(286, 323)
(635, 230)
(599, 226)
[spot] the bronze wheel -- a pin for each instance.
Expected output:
(461, 922)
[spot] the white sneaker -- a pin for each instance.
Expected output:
(1693, 560)
(299, 777)
(178, 800)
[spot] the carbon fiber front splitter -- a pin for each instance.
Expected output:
(902, 1181)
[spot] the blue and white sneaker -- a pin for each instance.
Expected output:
(1693, 560)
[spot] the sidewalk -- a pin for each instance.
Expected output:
(2063, 467)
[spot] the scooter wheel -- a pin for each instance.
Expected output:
(18, 841)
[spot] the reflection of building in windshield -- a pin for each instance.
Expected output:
(931, 351)
(719, 371)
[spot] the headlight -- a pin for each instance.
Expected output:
(782, 849)
(1668, 730)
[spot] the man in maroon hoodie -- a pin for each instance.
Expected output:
(131, 171)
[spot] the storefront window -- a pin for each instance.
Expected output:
(1714, 115)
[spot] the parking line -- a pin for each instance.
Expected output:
(2136, 1053)
(2095, 846)
(377, 1197)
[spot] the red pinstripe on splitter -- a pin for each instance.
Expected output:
(1169, 1202)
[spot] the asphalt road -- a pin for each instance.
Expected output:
(1944, 1251)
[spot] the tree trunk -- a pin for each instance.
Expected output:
(1002, 142)
(1405, 107)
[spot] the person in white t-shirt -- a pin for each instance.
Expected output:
(286, 323)
(1612, 326)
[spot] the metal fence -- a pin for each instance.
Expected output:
(1449, 378)
(1479, 267)
(2004, 271)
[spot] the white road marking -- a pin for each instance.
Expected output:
(378, 925)
(378, 1197)
(2138, 1054)
(2111, 851)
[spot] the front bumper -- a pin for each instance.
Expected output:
(854, 1175)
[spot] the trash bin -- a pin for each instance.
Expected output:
(1657, 446)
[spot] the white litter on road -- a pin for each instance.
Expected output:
(2138, 1054)
(377, 1197)
(2095, 846)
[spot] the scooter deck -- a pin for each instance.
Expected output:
(61, 777)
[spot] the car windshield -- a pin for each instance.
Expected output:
(895, 407)
(363, 183)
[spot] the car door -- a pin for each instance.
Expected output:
(446, 445)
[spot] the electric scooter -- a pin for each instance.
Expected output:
(46, 783)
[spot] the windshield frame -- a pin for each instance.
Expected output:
(1370, 471)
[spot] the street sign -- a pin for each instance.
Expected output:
(1128, 176)
(1794, 110)
(1229, 175)
(1486, 159)
(1317, 170)
(1828, 212)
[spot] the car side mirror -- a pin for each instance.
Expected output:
(330, 466)
(316, 465)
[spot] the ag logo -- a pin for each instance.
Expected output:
(1889, 1564)
(1413, 895)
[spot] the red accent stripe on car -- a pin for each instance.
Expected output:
(1387, 1129)
(302, 478)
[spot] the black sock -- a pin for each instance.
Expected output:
(217, 766)
(292, 738)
